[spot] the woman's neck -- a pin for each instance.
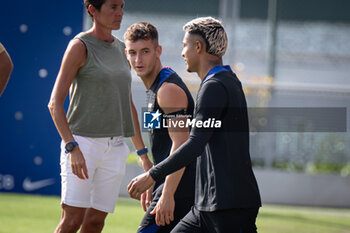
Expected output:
(101, 33)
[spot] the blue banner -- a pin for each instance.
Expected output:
(35, 34)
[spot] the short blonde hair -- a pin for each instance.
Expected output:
(213, 33)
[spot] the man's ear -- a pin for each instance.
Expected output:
(199, 46)
(159, 50)
(92, 9)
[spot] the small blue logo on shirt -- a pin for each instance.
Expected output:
(151, 120)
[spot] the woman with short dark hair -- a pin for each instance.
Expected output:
(96, 73)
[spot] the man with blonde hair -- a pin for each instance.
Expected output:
(227, 197)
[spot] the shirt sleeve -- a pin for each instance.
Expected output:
(211, 103)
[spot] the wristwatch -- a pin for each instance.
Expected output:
(142, 151)
(70, 146)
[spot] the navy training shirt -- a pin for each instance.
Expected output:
(160, 140)
(224, 177)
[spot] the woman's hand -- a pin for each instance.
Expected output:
(77, 163)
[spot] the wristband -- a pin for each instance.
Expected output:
(142, 151)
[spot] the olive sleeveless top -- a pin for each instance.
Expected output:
(100, 93)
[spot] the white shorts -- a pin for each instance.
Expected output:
(106, 160)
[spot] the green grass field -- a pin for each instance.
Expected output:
(40, 214)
